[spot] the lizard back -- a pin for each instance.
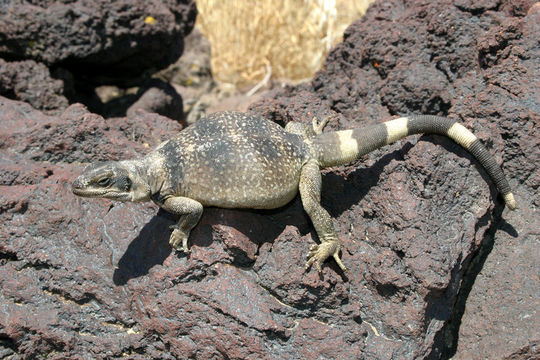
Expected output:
(233, 160)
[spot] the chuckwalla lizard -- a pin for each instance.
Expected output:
(237, 160)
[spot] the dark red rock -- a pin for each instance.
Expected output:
(107, 38)
(78, 135)
(86, 44)
(425, 212)
(31, 82)
(500, 317)
(501, 312)
(86, 278)
(158, 97)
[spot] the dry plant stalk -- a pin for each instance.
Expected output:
(289, 38)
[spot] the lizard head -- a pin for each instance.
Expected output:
(111, 180)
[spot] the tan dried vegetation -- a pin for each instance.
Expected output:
(253, 41)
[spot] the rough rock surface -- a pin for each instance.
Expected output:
(158, 97)
(501, 314)
(108, 38)
(89, 43)
(97, 279)
(31, 82)
(478, 62)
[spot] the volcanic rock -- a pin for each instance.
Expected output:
(104, 38)
(419, 220)
(90, 43)
(31, 82)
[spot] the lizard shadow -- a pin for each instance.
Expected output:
(340, 193)
(151, 247)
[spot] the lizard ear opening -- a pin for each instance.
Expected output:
(128, 183)
(124, 183)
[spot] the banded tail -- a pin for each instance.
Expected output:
(343, 147)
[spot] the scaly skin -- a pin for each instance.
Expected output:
(235, 160)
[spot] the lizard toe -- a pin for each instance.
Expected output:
(319, 253)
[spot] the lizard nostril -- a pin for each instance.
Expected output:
(76, 184)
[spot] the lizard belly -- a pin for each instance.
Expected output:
(254, 172)
(246, 186)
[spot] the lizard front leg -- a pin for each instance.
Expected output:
(310, 192)
(190, 212)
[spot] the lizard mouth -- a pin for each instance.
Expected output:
(88, 193)
(106, 194)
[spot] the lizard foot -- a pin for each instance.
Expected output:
(319, 253)
(179, 239)
(319, 126)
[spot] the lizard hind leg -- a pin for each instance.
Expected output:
(306, 130)
(310, 192)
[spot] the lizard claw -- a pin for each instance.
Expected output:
(319, 253)
(179, 239)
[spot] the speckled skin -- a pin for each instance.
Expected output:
(236, 160)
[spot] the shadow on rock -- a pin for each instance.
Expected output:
(153, 95)
(339, 194)
(151, 247)
(451, 331)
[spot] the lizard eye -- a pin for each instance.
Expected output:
(104, 182)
